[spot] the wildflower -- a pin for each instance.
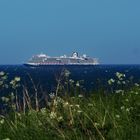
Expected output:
(120, 75)
(60, 118)
(13, 106)
(111, 81)
(126, 100)
(65, 104)
(5, 99)
(136, 84)
(71, 81)
(2, 121)
(43, 110)
(53, 115)
(2, 73)
(80, 95)
(79, 111)
(122, 107)
(119, 91)
(12, 82)
(117, 116)
(136, 93)
(77, 106)
(18, 114)
(96, 124)
(17, 79)
(55, 103)
(127, 109)
(66, 73)
(60, 100)
(78, 84)
(52, 95)
(4, 77)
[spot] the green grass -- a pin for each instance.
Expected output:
(99, 117)
(70, 115)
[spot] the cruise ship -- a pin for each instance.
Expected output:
(74, 59)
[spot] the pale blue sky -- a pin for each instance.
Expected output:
(108, 29)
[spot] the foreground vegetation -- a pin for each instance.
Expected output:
(69, 115)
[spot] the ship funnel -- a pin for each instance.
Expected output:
(75, 55)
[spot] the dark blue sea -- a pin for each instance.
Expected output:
(45, 79)
(92, 77)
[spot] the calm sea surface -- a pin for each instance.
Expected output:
(92, 77)
(44, 79)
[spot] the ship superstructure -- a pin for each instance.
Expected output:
(75, 59)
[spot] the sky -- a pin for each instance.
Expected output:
(107, 29)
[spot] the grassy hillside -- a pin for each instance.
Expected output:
(69, 114)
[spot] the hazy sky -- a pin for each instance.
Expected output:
(108, 29)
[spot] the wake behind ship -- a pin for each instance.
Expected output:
(75, 59)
